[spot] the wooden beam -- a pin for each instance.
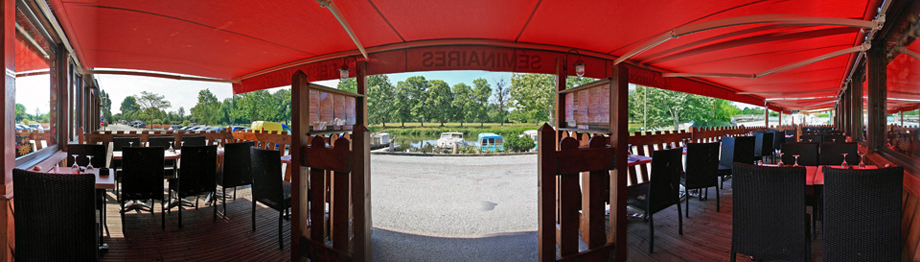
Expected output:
(856, 107)
(360, 173)
(619, 117)
(560, 95)
(300, 125)
(7, 131)
(877, 75)
(546, 193)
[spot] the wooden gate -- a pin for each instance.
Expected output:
(331, 169)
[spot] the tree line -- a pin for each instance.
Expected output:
(528, 98)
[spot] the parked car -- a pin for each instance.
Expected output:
(238, 129)
(174, 127)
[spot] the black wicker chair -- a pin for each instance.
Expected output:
(267, 186)
(121, 142)
(862, 220)
(735, 149)
(161, 141)
(702, 162)
(831, 153)
(143, 178)
(833, 138)
(196, 177)
(82, 150)
(165, 142)
(768, 213)
(117, 144)
(661, 192)
(55, 218)
(808, 154)
(237, 169)
(193, 141)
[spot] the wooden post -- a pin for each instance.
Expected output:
(7, 131)
(560, 98)
(856, 106)
(766, 115)
(569, 220)
(300, 126)
(546, 193)
(619, 113)
(876, 72)
(360, 173)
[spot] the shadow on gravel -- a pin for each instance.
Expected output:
(388, 245)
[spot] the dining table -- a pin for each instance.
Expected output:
(104, 180)
(167, 154)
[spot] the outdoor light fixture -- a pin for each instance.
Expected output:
(343, 72)
(580, 68)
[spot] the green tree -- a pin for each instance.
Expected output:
(532, 96)
(438, 101)
(208, 108)
(152, 104)
(416, 88)
(129, 108)
(501, 100)
(463, 103)
(21, 112)
(481, 93)
(402, 105)
(348, 85)
(381, 99)
(105, 106)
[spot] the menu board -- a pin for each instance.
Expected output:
(588, 108)
(331, 111)
(350, 111)
(314, 107)
(581, 106)
(570, 110)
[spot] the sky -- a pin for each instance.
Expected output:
(33, 91)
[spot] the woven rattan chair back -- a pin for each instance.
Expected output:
(768, 212)
(862, 214)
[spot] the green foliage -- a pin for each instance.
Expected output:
(481, 93)
(463, 103)
(518, 144)
(381, 96)
(128, 108)
(662, 108)
(438, 101)
(105, 106)
(532, 96)
(207, 110)
(502, 96)
(21, 112)
(348, 85)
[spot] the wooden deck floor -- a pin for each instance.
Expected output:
(707, 234)
(141, 238)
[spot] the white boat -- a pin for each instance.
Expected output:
(449, 139)
(380, 140)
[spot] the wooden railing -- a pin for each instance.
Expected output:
(212, 138)
(645, 143)
(558, 196)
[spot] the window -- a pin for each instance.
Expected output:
(34, 96)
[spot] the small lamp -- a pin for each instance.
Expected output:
(580, 68)
(343, 72)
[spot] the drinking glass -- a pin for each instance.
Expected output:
(862, 163)
(130, 143)
(780, 161)
(90, 163)
(796, 160)
(844, 164)
(75, 162)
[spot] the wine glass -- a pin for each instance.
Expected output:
(90, 163)
(862, 162)
(796, 160)
(75, 162)
(779, 162)
(844, 164)
(130, 143)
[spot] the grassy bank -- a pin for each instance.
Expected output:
(434, 130)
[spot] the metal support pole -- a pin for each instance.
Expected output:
(877, 75)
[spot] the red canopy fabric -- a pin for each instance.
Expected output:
(239, 40)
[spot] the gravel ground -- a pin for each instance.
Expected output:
(454, 208)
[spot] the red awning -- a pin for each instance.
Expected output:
(260, 43)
